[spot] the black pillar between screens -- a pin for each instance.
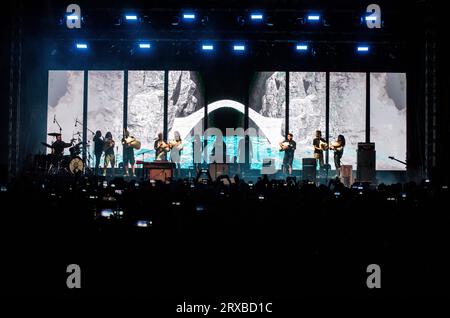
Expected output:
(85, 113)
(166, 104)
(286, 119)
(327, 112)
(367, 106)
(125, 99)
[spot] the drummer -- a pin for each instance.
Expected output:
(59, 145)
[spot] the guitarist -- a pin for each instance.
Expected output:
(161, 148)
(128, 153)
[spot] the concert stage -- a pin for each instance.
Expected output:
(215, 152)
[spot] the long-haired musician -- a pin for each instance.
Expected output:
(288, 146)
(338, 148)
(110, 157)
(98, 149)
(128, 153)
(177, 146)
(161, 148)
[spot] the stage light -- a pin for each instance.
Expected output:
(131, 17)
(370, 18)
(207, 47)
(256, 16)
(81, 46)
(189, 16)
(301, 47)
(313, 17)
(362, 49)
(144, 45)
(239, 47)
(72, 17)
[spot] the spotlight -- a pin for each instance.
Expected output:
(72, 17)
(362, 49)
(131, 17)
(239, 47)
(256, 16)
(144, 45)
(302, 47)
(313, 17)
(81, 46)
(370, 18)
(189, 16)
(208, 47)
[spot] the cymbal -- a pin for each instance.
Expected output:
(46, 144)
(54, 134)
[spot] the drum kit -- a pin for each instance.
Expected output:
(57, 164)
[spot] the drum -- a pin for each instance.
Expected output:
(75, 151)
(73, 165)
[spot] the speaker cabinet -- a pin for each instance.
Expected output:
(366, 162)
(309, 169)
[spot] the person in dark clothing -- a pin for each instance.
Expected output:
(319, 146)
(59, 145)
(128, 153)
(110, 157)
(288, 146)
(338, 147)
(161, 148)
(98, 149)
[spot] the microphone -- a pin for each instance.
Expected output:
(76, 122)
(54, 118)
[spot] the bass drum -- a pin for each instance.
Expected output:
(74, 165)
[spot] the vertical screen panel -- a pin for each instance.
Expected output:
(388, 119)
(267, 112)
(307, 111)
(105, 107)
(186, 111)
(145, 109)
(65, 104)
(348, 112)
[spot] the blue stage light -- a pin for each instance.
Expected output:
(239, 47)
(81, 46)
(256, 16)
(144, 45)
(301, 47)
(371, 18)
(131, 17)
(207, 47)
(313, 17)
(72, 17)
(189, 16)
(362, 48)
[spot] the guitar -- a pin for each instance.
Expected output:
(132, 142)
(392, 158)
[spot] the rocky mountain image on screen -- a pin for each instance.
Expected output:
(268, 99)
(145, 108)
(348, 112)
(388, 118)
(306, 111)
(105, 106)
(185, 99)
(65, 101)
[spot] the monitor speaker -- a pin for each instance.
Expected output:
(366, 162)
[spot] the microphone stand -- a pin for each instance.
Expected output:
(60, 129)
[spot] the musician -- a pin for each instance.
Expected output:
(59, 145)
(177, 146)
(128, 153)
(161, 148)
(110, 157)
(98, 149)
(288, 146)
(319, 145)
(338, 148)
